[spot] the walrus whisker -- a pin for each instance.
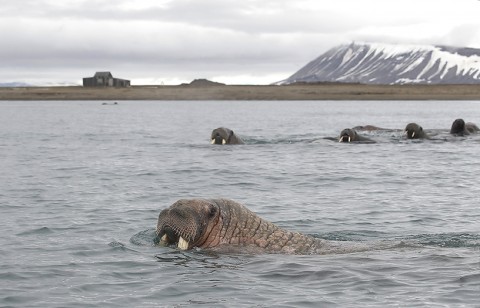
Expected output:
(169, 234)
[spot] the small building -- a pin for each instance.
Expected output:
(105, 79)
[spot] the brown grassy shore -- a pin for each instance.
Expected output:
(249, 92)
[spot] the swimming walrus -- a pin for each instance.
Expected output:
(350, 135)
(415, 131)
(369, 127)
(224, 135)
(460, 128)
(225, 225)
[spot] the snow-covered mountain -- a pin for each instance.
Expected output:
(374, 63)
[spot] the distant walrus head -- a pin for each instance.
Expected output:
(414, 131)
(350, 135)
(224, 135)
(458, 127)
(347, 135)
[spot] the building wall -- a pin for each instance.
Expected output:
(117, 82)
(89, 82)
(104, 81)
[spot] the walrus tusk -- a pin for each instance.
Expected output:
(224, 141)
(340, 140)
(182, 244)
(413, 134)
(349, 138)
(164, 239)
(213, 141)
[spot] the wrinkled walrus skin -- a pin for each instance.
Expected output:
(223, 135)
(226, 225)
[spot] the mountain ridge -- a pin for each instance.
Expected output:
(377, 63)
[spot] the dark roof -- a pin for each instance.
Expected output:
(103, 74)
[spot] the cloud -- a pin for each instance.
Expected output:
(187, 39)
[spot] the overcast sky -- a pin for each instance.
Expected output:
(230, 41)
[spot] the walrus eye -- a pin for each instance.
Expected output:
(212, 212)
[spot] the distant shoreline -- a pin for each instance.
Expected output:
(324, 91)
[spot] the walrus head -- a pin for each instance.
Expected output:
(224, 135)
(187, 223)
(348, 135)
(221, 135)
(414, 131)
(458, 127)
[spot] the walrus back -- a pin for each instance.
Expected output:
(244, 227)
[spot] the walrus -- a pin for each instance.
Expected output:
(415, 131)
(350, 135)
(224, 135)
(225, 225)
(368, 127)
(460, 128)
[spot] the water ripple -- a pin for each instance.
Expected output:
(82, 187)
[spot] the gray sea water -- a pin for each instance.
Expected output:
(82, 184)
